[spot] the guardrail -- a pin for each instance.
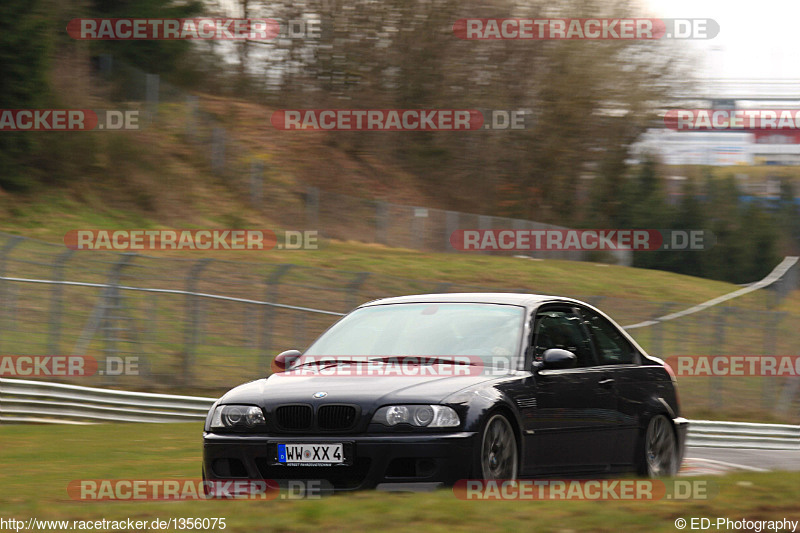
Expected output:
(23, 401)
(743, 435)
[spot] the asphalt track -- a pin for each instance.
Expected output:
(709, 460)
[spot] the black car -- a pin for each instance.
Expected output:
(491, 386)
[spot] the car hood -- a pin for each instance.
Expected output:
(363, 390)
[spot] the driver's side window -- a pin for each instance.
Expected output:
(561, 328)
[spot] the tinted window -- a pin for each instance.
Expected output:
(562, 329)
(612, 347)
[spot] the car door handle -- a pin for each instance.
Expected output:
(606, 383)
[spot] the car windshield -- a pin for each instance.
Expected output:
(490, 331)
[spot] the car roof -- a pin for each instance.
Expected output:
(508, 298)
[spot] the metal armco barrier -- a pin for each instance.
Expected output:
(23, 401)
(743, 435)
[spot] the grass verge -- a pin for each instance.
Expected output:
(39, 461)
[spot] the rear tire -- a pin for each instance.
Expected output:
(657, 453)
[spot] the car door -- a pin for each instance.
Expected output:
(621, 363)
(569, 429)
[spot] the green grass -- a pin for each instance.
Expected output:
(39, 461)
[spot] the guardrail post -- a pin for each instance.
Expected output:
(192, 327)
(268, 314)
(54, 334)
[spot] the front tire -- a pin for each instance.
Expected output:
(658, 451)
(499, 455)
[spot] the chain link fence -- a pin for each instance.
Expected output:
(203, 325)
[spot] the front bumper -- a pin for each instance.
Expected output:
(373, 460)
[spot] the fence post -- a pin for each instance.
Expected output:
(657, 339)
(716, 383)
(110, 306)
(268, 315)
(299, 330)
(257, 184)
(191, 119)
(791, 384)
(105, 64)
(353, 287)
(5, 251)
(442, 287)
(485, 223)
(54, 336)
(192, 326)
(381, 222)
(218, 150)
(418, 227)
(312, 207)
(151, 93)
(451, 226)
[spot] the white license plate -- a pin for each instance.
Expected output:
(310, 453)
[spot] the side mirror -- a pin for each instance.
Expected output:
(556, 358)
(284, 360)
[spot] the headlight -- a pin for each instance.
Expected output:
(237, 416)
(432, 416)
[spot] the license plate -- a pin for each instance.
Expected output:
(322, 454)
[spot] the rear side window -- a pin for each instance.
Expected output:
(612, 347)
